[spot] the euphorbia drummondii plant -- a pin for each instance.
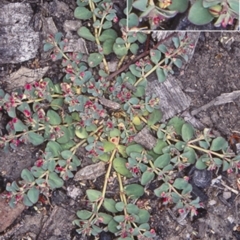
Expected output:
(103, 115)
(201, 12)
(222, 12)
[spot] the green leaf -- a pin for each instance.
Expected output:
(154, 117)
(54, 181)
(54, 118)
(133, 20)
(33, 194)
(115, 133)
(177, 123)
(81, 133)
(120, 49)
(162, 48)
(209, 3)
(122, 150)
(160, 74)
(51, 165)
(147, 177)
(177, 62)
(66, 135)
(67, 154)
(105, 217)
(108, 146)
(119, 165)
(189, 154)
(176, 41)
(218, 161)
(159, 146)
(226, 165)
(104, 157)
(134, 191)
(27, 176)
(142, 37)
(93, 195)
(234, 4)
(85, 33)
(162, 189)
(57, 103)
(187, 189)
(109, 205)
(108, 46)
(187, 132)
(180, 183)
(84, 214)
(155, 56)
(107, 24)
(162, 161)
(200, 164)
(204, 144)
(219, 143)
(120, 206)
(47, 47)
(140, 5)
(134, 48)
(94, 59)
(199, 15)
(119, 218)
(54, 147)
(26, 201)
(134, 148)
(180, 6)
(140, 91)
(143, 215)
(135, 71)
(58, 37)
(19, 126)
(37, 172)
(35, 138)
(175, 197)
(132, 208)
(108, 34)
(180, 145)
(120, 41)
(112, 226)
(82, 13)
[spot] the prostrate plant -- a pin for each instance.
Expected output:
(222, 12)
(87, 110)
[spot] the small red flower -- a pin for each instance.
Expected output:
(82, 74)
(27, 113)
(28, 87)
(109, 124)
(181, 211)
(152, 231)
(39, 163)
(14, 120)
(91, 86)
(135, 170)
(115, 19)
(60, 169)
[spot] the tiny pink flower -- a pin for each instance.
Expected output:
(39, 163)
(27, 113)
(28, 86)
(115, 19)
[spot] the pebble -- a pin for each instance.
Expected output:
(212, 202)
(74, 192)
(231, 219)
(227, 195)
